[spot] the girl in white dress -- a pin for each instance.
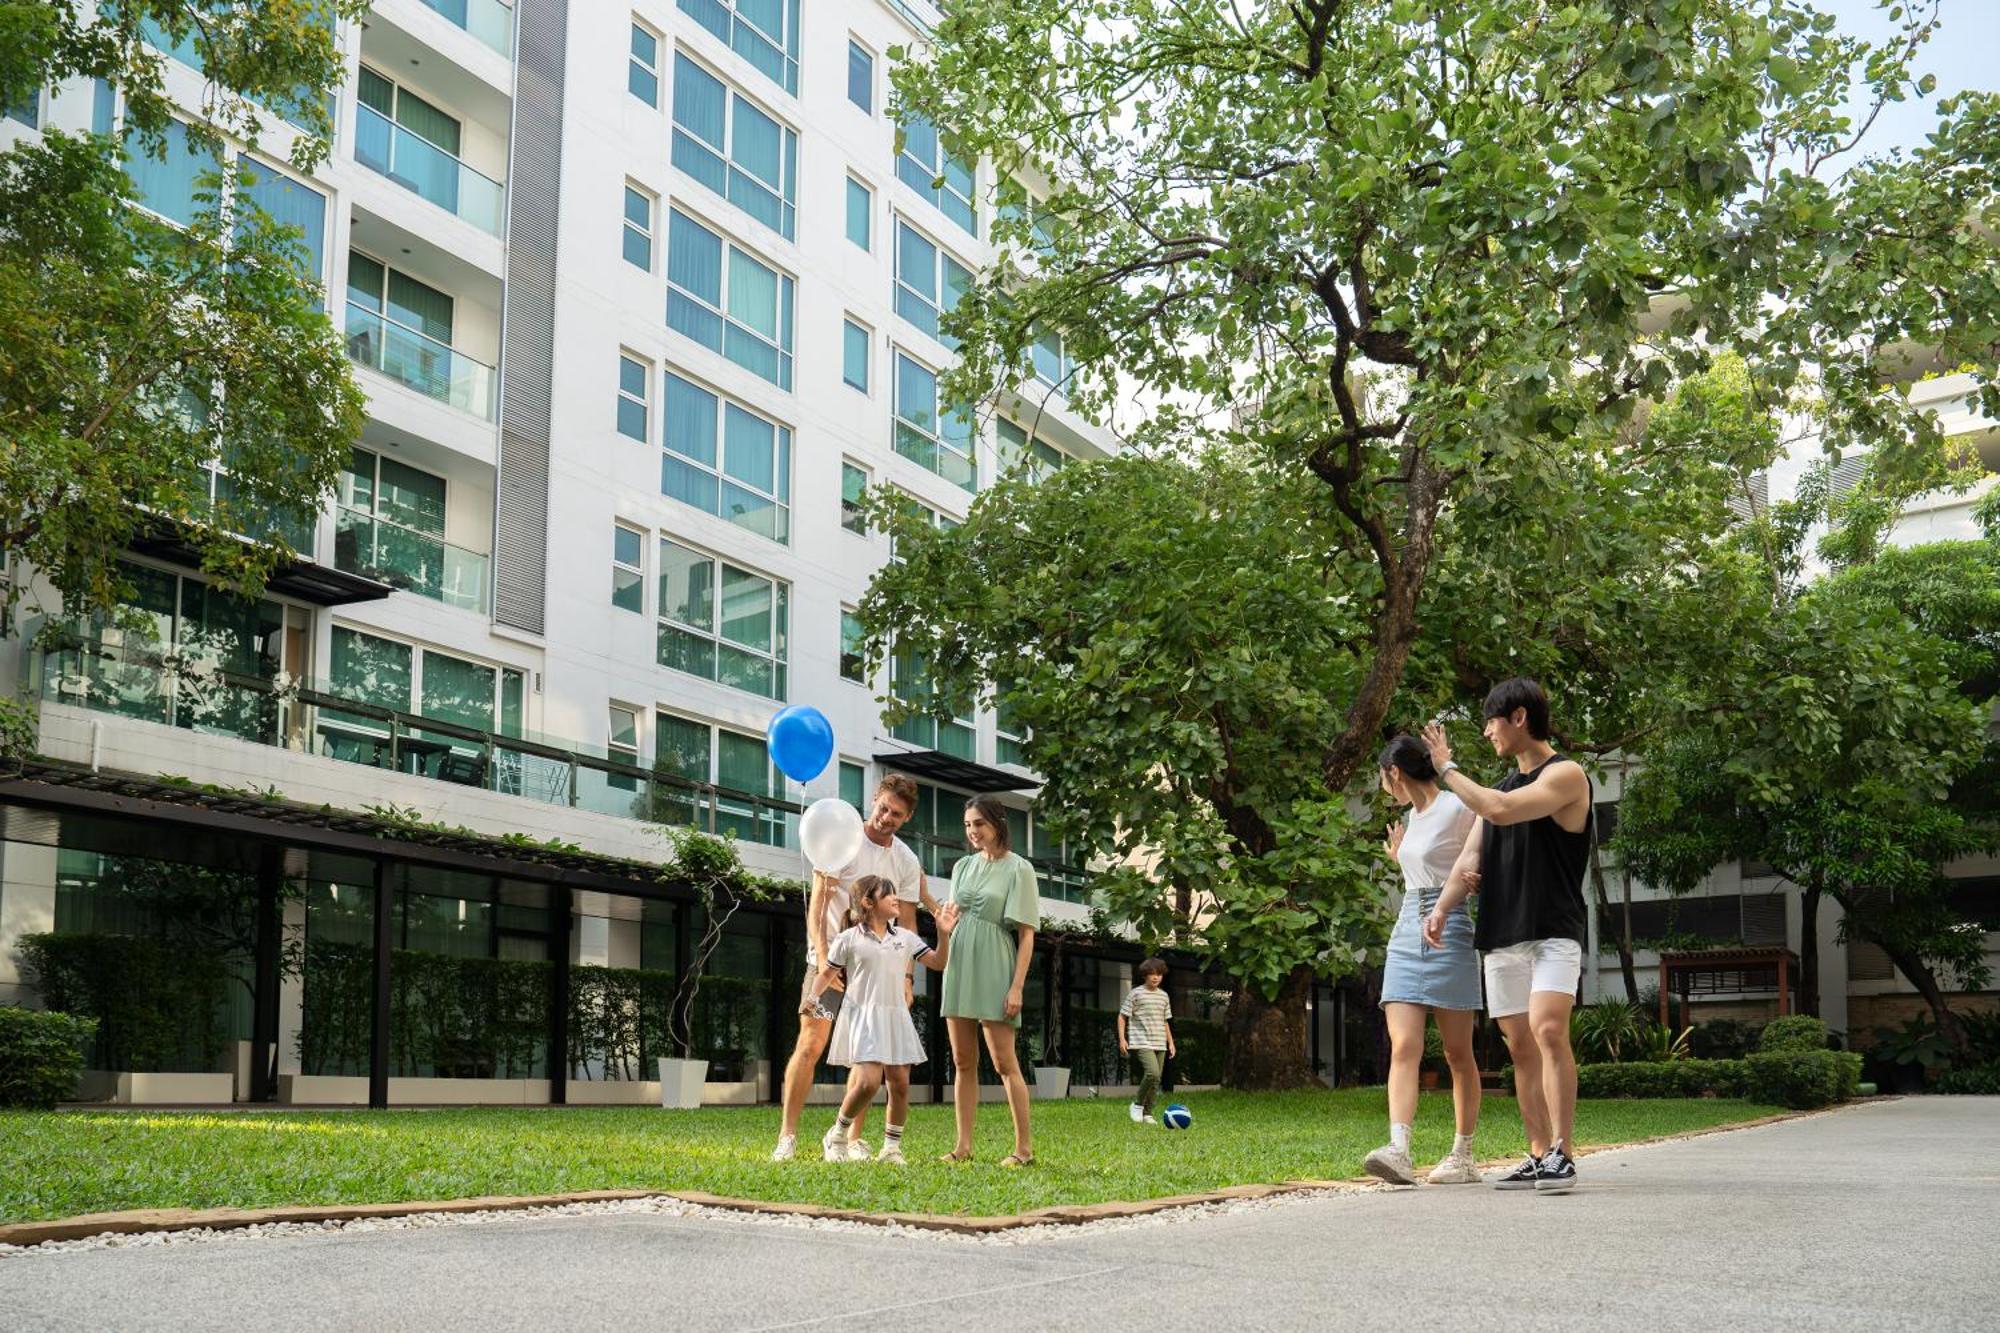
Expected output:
(874, 1034)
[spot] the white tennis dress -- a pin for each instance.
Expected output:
(874, 1026)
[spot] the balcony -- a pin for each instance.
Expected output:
(420, 362)
(489, 20)
(409, 559)
(186, 689)
(427, 170)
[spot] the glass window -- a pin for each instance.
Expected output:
(726, 460)
(721, 622)
(939, 439)
(854, 785)
(853, 489)
(168, 185)
(628, 569)
(632, 379)
(741, 308)
(854, 354)
(622, 744)
(860, 77)
(1008, 740)
(763, 32)
(909, 679)
(642, 77)
(28, 112)
(739, 764)
(852, 663)
(926, 167)
(1014, 449)
(1052, 365)
(291, 204)
(929, 282)
(860, 213)
(728, 144)
(638, 228)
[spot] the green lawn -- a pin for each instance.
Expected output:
(57, 1164)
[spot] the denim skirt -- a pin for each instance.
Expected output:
(1446, 977)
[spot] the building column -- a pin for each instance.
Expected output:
(292, 990)
(264, 992)
(27, 907)
(384, 938)
(562, 921)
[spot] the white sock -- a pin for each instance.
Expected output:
(1462, 1145)
(1399, 1137)
(892, 1136)
(841, 1125)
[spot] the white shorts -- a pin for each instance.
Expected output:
(1532, 965)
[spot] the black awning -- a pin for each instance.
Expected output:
(951, 771)
(307, 580)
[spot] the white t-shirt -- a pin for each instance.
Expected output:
(1432, 842)
(875, 967)
(895, 863)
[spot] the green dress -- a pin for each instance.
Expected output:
(992, 897)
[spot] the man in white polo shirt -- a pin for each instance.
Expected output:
(882, 853)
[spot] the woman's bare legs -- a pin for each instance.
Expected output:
(1000, 1046)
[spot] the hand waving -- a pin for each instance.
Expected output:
(947, 918)
(1395, 839)
(1439, 745)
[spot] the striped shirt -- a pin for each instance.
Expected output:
(1147, 1011)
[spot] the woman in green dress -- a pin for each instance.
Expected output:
(998, 908)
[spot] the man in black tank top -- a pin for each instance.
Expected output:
(1526, 859)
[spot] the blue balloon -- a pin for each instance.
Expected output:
(801, 742)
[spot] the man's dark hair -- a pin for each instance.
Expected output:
(1522, 693)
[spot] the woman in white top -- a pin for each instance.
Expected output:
(874, 1035)
(1418, 980)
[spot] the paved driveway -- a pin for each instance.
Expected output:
(1882, 1216)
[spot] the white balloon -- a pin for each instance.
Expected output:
(830, 832)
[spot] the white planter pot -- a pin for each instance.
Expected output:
(1051, 1082)
(681, 1083)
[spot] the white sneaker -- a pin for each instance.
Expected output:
(857, 1150)
(788, 1146)
(834, 1149)
(1392, 1164)
(1149, 1120)
(1138, 1113)
(1456, 1169)
(892, 1153)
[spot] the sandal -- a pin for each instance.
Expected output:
(1014, 1159)
(956, 1156)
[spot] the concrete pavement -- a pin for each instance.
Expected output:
(1882, 1216)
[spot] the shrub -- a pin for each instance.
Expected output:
(41, 1055)
(1663, 1078)
(1793, 1032)
(1722, 1039)
(1803, 1079)
(158, 1005)
(1978, 1080)
(1606, 1031)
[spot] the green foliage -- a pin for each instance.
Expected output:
(1094, 1060)
(1975, 1080)
(1802, 1079)
(133, 351)
(156, 1007)
(1722, 1039)
(1663, 1044)
(41, 1056)
(1666, 1078)
(1605, 1031)
(1916, 1043)
(1793, 1032)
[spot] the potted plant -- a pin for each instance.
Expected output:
(710, 867)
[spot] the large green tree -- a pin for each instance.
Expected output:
(1423, 248)
(137, 355)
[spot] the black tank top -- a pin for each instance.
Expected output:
(1531, 875)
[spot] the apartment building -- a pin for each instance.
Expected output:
(644, 301)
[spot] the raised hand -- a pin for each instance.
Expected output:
(1395, 839)
(947, 918)
(1439, 745)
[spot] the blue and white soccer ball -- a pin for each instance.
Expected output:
(1176, 1117)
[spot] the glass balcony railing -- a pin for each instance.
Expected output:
(419, 562)
(419, 362)
(489, 20)
(417, 164)
(186, 689)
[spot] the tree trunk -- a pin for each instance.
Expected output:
(1265, 1041)
(1809, 950)
(1920, 975)
(1604, 911)
(1625, 934)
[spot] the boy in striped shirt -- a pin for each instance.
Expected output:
(1145, 1030)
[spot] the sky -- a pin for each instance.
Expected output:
(1963, 54)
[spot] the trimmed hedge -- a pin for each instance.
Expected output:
(1663, 1078)
(1793, 1032)
(1978, 1080)
(158, 1006)
(1803, 1079)
(1800, 1079)
(41, 1056)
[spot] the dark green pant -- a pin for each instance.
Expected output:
(1149, 1076)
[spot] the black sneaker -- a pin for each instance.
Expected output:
(1522, 1177)
(1558, 1173)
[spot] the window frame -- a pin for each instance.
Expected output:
(777, 786)
(620, 566)
(934, 435)
(647, 233)
(931, 322)
(634, 65)
(786, 191)
(855, 47)
(859, 676)
(855, 185)
(787, 299)
(850, 512)
(784, 447)
(779, 620)
(849, 325)
(644, 404)
(918, 175)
